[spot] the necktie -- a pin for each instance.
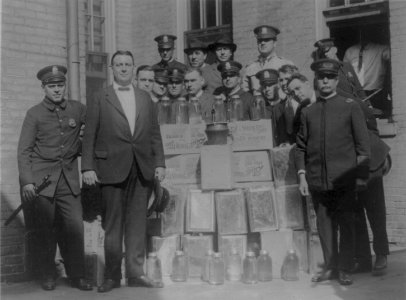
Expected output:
(122, 88)
(361, 50)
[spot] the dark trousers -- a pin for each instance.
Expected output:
(372, 201)
(58, 220)
(125, 216)
(334, 211)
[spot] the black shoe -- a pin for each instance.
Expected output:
(344, 278)
(108, 285)
(380, 265)
(324, 275)
(48, 284)
(144, 281)
(82, 284)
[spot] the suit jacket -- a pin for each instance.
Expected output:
(49, 144)
(110, 149)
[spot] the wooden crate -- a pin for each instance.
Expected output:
(251, 166)
(231, 212)
(261, 209)
(251, 135)
(200, 215)
(165, 247)
(196, 247)
(283, 165)
(290, 207)
(182, 169)
(216, 170)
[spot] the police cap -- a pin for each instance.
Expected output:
(176, 74)
(267, 76)
(51, 74)
(266, 32)
(230, 68)
(326, 66)
(161, 76)
(165, 41)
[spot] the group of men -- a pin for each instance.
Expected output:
(336, 154)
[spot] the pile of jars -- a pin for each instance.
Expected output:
(215, 269)
(224, 110)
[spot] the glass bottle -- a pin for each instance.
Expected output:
(264, 266)
(179, 267)
(195, 111)
(290, 267)
(182, 111)
(219, 108)
(258, 107)
(164, 111)
(154, 269)
(206, 265)
(237, 109)
(216, 269)
(233, 268)
(250, 268)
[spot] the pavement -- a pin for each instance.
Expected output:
(391, 286)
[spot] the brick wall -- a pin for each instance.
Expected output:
(395, 182)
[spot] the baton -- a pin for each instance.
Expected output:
(45, 182)
(373, 94)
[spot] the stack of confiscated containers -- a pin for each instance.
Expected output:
(242, 195)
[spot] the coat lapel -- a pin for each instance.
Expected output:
(112, 98)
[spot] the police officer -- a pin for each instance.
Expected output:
(160, 87)
(268, 78)
(49, 145)
(372, 200)
(166, 47)
(230, 74)
(332, 158)
(175, 84)
(268, 59)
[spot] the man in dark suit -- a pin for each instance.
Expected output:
(122, 148)
(49, 145)
(332, 158)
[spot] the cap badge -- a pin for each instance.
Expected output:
(228, 66)
(165, 39)
(327, 65)
(72, 123)
(54, 70)
(266, 74)
(264, 30)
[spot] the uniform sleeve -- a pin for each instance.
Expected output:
(92, 119)
(25, 149)
(301, 142)
(361, 139)
(156, 138)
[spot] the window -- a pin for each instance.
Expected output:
(96, 58)
(209, 13)
(335, 3)
(208, 20)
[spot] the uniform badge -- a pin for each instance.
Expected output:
(54, 70)
(228, 66)
(72, 123)
(266, 74)
(165, 39)
(349, 100)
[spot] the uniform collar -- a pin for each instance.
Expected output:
(234, 90)
(266, 59)
(329, 96)
(51, 105)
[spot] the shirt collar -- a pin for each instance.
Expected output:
(268, 58)
(116, 86)
(51, 105)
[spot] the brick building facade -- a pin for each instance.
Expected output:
(34, 34)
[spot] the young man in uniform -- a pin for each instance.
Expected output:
(49, 145)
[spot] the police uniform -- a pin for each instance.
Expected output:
(175, 74)
(372, 200)
(333, 151)
(275, 111)
(250, 83)
(233, 68)
(49, 145)
(167, 41)
(161, 76)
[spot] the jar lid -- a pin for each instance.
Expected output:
(179, 252)
(250, 253)
(152, 254)
(217, 254)
(263, 252)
